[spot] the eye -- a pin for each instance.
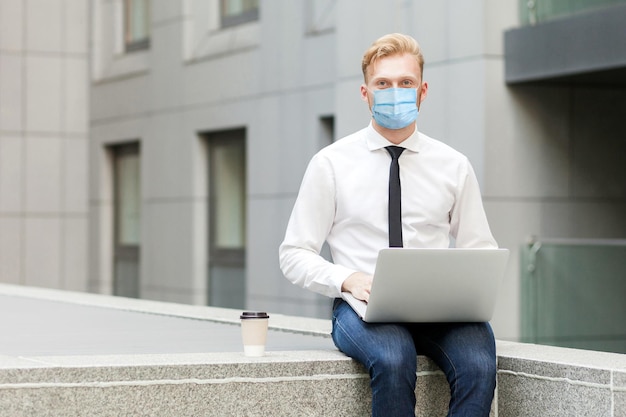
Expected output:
(381, 83)
(407, 83)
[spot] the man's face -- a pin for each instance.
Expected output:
(396, 71)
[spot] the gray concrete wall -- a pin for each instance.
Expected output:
(547, 157)
(532, 381)
(277, 78)
(253, 76)
(44, 143)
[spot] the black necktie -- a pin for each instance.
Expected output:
(395, 209)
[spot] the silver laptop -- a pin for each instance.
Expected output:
(433, 285)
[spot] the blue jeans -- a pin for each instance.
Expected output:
(465, 352)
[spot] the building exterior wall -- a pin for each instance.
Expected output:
(276, 77)
(254, 76)
(547, 157)
(43, 143)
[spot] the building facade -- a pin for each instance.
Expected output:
(203, 115)
(44, 119)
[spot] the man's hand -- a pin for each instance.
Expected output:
(359, 284)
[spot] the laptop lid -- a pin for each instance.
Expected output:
(433, 285)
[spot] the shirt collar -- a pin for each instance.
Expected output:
(377, 141)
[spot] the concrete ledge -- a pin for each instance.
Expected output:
(303, 383)
(282, 383)
(532, 380)
(541, 380)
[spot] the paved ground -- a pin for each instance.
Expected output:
(36, 327)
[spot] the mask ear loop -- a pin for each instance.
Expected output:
(419, 97)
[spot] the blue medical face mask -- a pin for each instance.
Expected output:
(395, 108)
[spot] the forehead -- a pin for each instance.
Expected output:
(395, 66)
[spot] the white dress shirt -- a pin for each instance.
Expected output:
(343, 200)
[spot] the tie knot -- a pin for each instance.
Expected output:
(394, 151)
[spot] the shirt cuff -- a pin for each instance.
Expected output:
(340, 274)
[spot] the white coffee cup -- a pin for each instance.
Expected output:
(254, 332)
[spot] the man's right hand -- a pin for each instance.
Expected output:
(359, 284)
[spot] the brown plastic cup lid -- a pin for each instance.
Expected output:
(254, 315)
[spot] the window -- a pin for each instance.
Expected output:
(136, 25)
(213, 28)
(127, 220)
(227, 218)
(235, 12)
(326, 131)
(228, 175)
(120, 38)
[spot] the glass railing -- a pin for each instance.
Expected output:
(536, 11)
(574, 294)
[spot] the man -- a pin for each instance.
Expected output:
(343, 200)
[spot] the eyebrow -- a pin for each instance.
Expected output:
(401, 77)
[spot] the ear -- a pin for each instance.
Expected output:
(364, 93)
(423, 92)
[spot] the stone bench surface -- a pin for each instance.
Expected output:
(74, 354)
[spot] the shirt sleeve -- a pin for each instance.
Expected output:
(311, 220)
(468, 221)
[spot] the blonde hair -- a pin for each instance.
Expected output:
(391, 44)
